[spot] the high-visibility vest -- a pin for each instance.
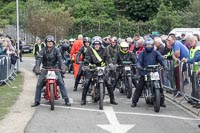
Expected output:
(39, 45)
(96, 55)
(193, 51)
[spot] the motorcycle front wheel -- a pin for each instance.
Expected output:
(157, 100)
(129, 88)
(101, 96)
(52, 96)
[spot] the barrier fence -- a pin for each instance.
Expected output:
(7, 71)
(174, 81)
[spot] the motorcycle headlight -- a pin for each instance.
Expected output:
(100, 70)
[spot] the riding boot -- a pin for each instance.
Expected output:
(112, 99)
(75, 87)
(83, 100)
(67, 103)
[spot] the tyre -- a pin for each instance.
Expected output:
(101, 96)
(52, 96)
(129, 88)
(146, 94)
(157, 100)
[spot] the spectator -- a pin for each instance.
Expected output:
(194, 57)
(37, 47)
(129, 40)
(139, 47)
(159, 45)
(180, 51)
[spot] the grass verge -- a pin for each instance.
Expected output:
(9, 95)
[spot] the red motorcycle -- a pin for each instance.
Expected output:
(51, 91)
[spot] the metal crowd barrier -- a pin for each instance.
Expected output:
(7, 71)
(173, 83)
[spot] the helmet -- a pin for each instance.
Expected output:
(49, 39)
(149, 41)
(71, 40)
(114, 39)
(86, 39)
(96, 39)
(65, 47)
(124, 45)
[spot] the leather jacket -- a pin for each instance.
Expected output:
(49, 59)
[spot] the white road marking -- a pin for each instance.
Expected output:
(114, 126)
(127, 113)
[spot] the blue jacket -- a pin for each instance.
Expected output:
(149, 58)
(1, 49)
(195, 59)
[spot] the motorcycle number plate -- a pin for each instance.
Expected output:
(51, 75)
(155, 76)
(127, 68)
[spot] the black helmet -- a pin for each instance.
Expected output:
(65, 47)
(86, 39)
(49, 38)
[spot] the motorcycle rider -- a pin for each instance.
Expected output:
(145, 58)
(96, 56)
(81, 53)
(124, 55)
(50, 57)
(112, 50)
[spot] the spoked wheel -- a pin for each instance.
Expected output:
(129, 88)
(146, 95)
(52, 96)
(157, 100)
(101, 96)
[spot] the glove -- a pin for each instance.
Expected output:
(37, 70)
(103, 63)
(63, 69)
(110, 65)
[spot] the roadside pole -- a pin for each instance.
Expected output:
(17, 9)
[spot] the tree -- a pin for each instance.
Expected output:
(191, 15)
(43, 20)
(136, 9)
(167, 19)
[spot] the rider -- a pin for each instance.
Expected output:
(112, 50)
(50, 57)
(124, 55)
(145, 58)
(82, 51)
(96, 56)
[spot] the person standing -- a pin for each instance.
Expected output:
(75, 48)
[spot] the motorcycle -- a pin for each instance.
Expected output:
(51, 91)
(97, 87)
(152, 87)
(125, 81)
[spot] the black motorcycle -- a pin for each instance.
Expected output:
(125, 82)
(153, 86)
(97, 86)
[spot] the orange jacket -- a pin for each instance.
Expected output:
(76, 46)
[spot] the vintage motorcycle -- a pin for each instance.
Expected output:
(97, 86)
(51, 91)
(153, 86)
(125, 82)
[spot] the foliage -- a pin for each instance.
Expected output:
(68, 18)
(191, 15)
(167, 19)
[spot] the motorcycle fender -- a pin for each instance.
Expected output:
(156, 84)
